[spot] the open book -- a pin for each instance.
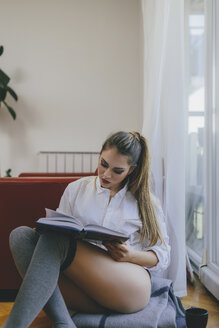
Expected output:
(60, 222)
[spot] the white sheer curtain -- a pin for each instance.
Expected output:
(164, 120)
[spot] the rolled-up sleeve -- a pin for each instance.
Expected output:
(161, 250)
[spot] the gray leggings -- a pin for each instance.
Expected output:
(39, 259)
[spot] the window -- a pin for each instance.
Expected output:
(202, 174)
(209, 274)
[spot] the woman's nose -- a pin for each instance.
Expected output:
(107, 173)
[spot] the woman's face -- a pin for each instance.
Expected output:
(113, 168)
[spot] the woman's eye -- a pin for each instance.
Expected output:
(118, 172)
(104, 164)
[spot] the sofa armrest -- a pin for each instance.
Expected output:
(22, 201)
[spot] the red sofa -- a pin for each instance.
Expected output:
(22, 201)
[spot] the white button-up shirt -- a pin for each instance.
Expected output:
(86, 200)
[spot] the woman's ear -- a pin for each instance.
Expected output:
(132, 168)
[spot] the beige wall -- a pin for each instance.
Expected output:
(77, 68)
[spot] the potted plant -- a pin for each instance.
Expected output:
(5, 89)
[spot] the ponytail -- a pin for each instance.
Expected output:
(139, 185)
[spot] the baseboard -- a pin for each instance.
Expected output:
(8, 295)
(210, 279)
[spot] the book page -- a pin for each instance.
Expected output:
(51, 214)
(58, 216)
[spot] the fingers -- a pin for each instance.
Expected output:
(115, 255)
(113, 247)
(117, 251)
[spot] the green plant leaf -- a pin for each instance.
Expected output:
(12, 93)
(3, 93)
(8, 173)
(4, 78)
(11, 111)
(1, 50)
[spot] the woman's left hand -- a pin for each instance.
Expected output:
(120, 252)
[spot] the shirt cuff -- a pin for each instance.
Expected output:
(163, 255)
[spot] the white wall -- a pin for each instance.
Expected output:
(76, 66)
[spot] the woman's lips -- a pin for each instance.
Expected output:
(105, 181)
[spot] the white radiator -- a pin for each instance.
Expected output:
(59, 161)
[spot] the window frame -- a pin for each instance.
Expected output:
(195, 258)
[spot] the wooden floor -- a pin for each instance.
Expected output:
(40, 322)
(197, 296)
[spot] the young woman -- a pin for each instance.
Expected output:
(85, 276)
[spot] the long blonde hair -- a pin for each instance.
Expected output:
(134, 146)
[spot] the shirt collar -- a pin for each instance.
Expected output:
(100, 189)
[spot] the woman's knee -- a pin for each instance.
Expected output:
(132, 304)
(21, 233)
(136, 297)
(63, 244)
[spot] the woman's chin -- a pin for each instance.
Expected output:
(103, 185)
